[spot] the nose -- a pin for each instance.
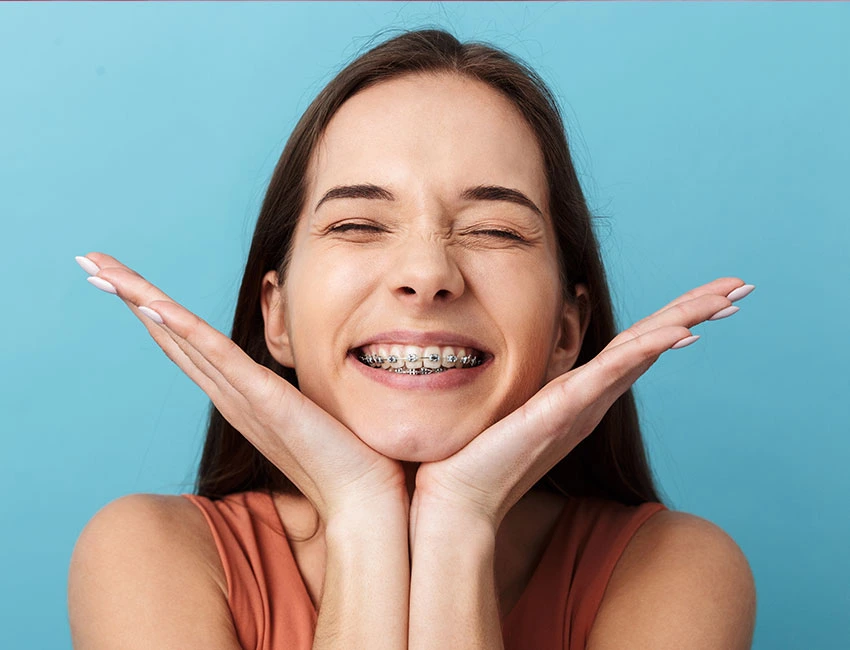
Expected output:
(424, 272)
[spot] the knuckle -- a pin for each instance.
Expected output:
(645, 349)
(610, 363)
(193, 328)
(268, 399)
(633, 332)
(682, 311)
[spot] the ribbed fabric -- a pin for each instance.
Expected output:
(272, 609)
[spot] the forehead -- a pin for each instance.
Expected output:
(429, 131)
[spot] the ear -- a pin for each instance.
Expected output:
(575, 318)
(274, 315)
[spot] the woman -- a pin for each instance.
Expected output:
(423, 435)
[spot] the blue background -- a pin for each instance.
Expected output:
(711, 140)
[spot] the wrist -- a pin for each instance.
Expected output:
(442, 523)
(367, 521)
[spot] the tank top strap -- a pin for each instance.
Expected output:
(560, 603)
(268, 600)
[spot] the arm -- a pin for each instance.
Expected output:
(452, 596)
(360, 496)
(453, 601)
(139, 578)
(145, 574)
(367, 578)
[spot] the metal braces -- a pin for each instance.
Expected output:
(376, 361)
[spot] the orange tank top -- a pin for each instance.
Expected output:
(272, 609)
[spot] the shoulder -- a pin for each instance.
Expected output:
(131, 561)
(681, 582)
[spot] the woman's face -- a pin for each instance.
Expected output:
(417, 257)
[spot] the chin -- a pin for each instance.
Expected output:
(419, 443)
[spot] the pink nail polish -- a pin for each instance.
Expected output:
(725, 313)
(103, 285)
(150, 313)
(685, 342)
(741, 292)
(88, 266)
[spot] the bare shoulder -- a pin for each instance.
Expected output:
(682, 582)
(145, 573)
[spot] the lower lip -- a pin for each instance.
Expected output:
(435, 381)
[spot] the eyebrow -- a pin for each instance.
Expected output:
(477, 193)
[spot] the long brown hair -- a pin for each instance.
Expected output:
(611, 462)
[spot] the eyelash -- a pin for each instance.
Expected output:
(346, 227)
(369, 228)
(502, 234)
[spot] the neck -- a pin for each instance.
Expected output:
(410, 470)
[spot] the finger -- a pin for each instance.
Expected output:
(564, 411)
(132, 285)
(259, 402)
(719, 287)
(685, 313)
(711, 301)
(174, 351)
(136, 291)
(245, 388)
(616, 368)
(95, 262)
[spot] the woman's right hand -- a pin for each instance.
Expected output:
(326, 461)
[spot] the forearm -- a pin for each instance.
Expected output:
(367, 580)
(453, 600)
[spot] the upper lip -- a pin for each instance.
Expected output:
(423, 339)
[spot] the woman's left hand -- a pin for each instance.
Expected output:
(490, 474)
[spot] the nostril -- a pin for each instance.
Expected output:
(408, 290)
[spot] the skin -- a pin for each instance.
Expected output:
(426, 261)
(412, 482)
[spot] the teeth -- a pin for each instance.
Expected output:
(460, 353)
(432, 358)
(395, 358)
(449, 358)
(413, 360)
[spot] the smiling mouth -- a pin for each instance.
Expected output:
(415, 361)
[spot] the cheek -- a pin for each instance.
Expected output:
(524, 299)
(322, 290)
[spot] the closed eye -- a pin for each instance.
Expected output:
(348, 227)
(502, 234)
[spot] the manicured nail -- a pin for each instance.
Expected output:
(88, 266)
(725, 313)
(103, 285)
(150, 313)
(684, 342)
(741, 292)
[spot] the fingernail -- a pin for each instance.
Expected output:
(103, 285)
(725, 313)
(150, 313)
(741, 292)
(684, 342)
(88, 266)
